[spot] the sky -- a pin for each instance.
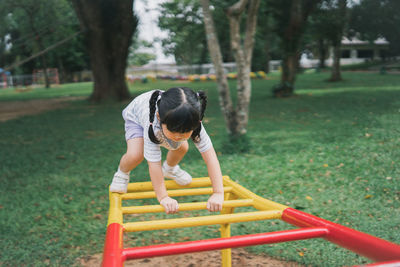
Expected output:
(148, 15)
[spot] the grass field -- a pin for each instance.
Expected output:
(333, 150)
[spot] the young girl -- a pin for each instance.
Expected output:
(167, 119)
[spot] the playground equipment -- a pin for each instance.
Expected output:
(5, 79)
(52, 74)
(114, 255)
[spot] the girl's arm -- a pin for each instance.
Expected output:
(214, 171)
(157, 179)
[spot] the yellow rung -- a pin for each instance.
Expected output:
(174, 193)
(259, 202)
(185, 206)
(147, 186)
(202, 220)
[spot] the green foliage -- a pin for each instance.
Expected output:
(266, 41)
(139, 59)
(187, 39)
(288, 22)
(136, 55)
(332, 150)
(378, 18)
(29, 26)
(328, 22)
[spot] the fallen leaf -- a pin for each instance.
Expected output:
(326, 165)
(97, 216)
(301, 254)
(368, 196)
(309, 198)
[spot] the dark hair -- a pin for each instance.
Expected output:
(181, 109)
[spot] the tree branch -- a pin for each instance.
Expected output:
(251, 25)
(238, 8)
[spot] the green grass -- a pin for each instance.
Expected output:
(338, 143)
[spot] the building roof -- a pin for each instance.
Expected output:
(356, 41)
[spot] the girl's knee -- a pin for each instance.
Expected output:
(134, 151)
(133, 157)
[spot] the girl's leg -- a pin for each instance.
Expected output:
(171, 168)
(133, 155)
(132, 158)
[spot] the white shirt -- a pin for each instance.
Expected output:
(138, 112)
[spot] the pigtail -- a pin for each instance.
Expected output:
(152, 113)
(203, 100)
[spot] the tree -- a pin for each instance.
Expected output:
(53, 22)
(338, 12)
(33, 12)
(108, 28)
(374, 19)
(291, 20)
(137, 55)
(266, 43)
(186, 39)
(236, 118)
(318, 30)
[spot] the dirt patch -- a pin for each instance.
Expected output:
(240, 258)
(14, 109)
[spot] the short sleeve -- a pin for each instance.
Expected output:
(205, 141)
(151, 151)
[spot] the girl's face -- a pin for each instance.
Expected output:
(176, 137)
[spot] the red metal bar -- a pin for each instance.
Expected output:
(221, 243)
(382, 264)
(112, 255)
(364, 244)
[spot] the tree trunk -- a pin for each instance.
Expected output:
(61, 71)
(322, 53)
(337, 42)
(291, 38)
(39, 45)
(108, 28)
(288, 76)
(237, 118)
(267, 57)
(44, 64)
(289, 69)
(225, 100)
(243, 57)
(336, 75)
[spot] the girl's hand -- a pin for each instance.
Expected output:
(170, 205)
(214, 203)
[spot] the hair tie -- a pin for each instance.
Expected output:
(151, 124)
